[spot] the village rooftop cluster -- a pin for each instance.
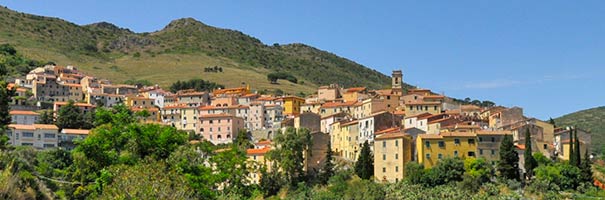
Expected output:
(401, 125)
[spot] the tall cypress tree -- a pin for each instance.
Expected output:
(508, 167)
(572, 155)
(530, 162)
(364, 167)
(576, 150)
(5, 118)
(586, 168)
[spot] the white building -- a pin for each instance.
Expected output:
(37, 135)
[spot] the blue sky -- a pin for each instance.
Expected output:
(545, 56)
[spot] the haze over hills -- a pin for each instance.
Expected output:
(179, 51)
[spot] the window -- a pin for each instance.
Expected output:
(441, 144)
(49, 135)
(27, 144)
(396, 143)
(427, 144)
(493, 139)
(493, 152)
(396, 168)
(27, 134)
(211, 121)
(457, 141)
(384, 144)
(396, 156)
(480, 151)
(384, 156)
(440, 156)
(480, 139)
(545, 146)
(435, 108)
(384, 170)
(471, 141)
(471, 154)
(456, 153)
(428, 155)
(49, 145)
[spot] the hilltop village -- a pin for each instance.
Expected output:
(400, 125)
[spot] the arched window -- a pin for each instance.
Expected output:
(219, 137)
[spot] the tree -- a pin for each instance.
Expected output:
(508, 167)
(586, 168)
(46, 118)
(328, 168)
(530, 162)
(5, 118)
(576, 150)
(70, 116)
(552, 121)
(572, 155)
(414, 172)
(242, 140)
(142, 115)
(289, 153)
(364, 167)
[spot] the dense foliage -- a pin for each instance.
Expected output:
(364, 167)
(273, 77)
(14, 64)
(70, 116)
(195, 84)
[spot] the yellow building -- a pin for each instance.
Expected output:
(292, 105)
(256, 161)
(392, 151)
(415, 108)
(432, 148)
(139, 102)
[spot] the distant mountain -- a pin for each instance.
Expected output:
(179, 51)
(592, 120)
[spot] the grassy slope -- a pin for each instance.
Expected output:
(179, 51)
(592, 120)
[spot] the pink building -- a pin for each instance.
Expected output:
(219, 128)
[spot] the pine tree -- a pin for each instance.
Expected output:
(5, 118)
(586, 168)
(572, 155)
(530, 161)
(508, 167)
(576, 150)
(364, 167)
(328, 167)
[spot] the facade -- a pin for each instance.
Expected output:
(292, 105)
(309, 121)
(488, 145)
(256, 159)
(36, 135)
(432, 148)
(328, 93)
(392, 151)
(67, 136)
(219, 128)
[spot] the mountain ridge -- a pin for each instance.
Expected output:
(186, 41)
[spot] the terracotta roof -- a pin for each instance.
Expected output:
(71, 84)
(335, 115)
(399, 112)
(520, 146)
(33, 126)
(438, 120)
(391, 135)
(75, 131)
(338, 104)
(419, 115)
(293, 97)
(349, 123)
(423, 103)
(258, 151)
(222, 107)
(494, 132)
(434, 97)
(384, 92)
(191, 94)
(221, 115)
(250, 95)
(457, 134)
(75, 104)
(430, 136)
(266, 99)
(175, 107)
(23, 112)
(141, 109)
(388, 130)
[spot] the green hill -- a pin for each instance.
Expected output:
(592, 120)
(179, 51)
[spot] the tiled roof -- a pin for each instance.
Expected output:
(494, 132)
(221, 115)
(33, 126)
(391, 135)
(258, 151)
(423, 103)
(356, 89)
(75, 104)
(388, 130)
(23, 112)
(338, 104)
(75, 131)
